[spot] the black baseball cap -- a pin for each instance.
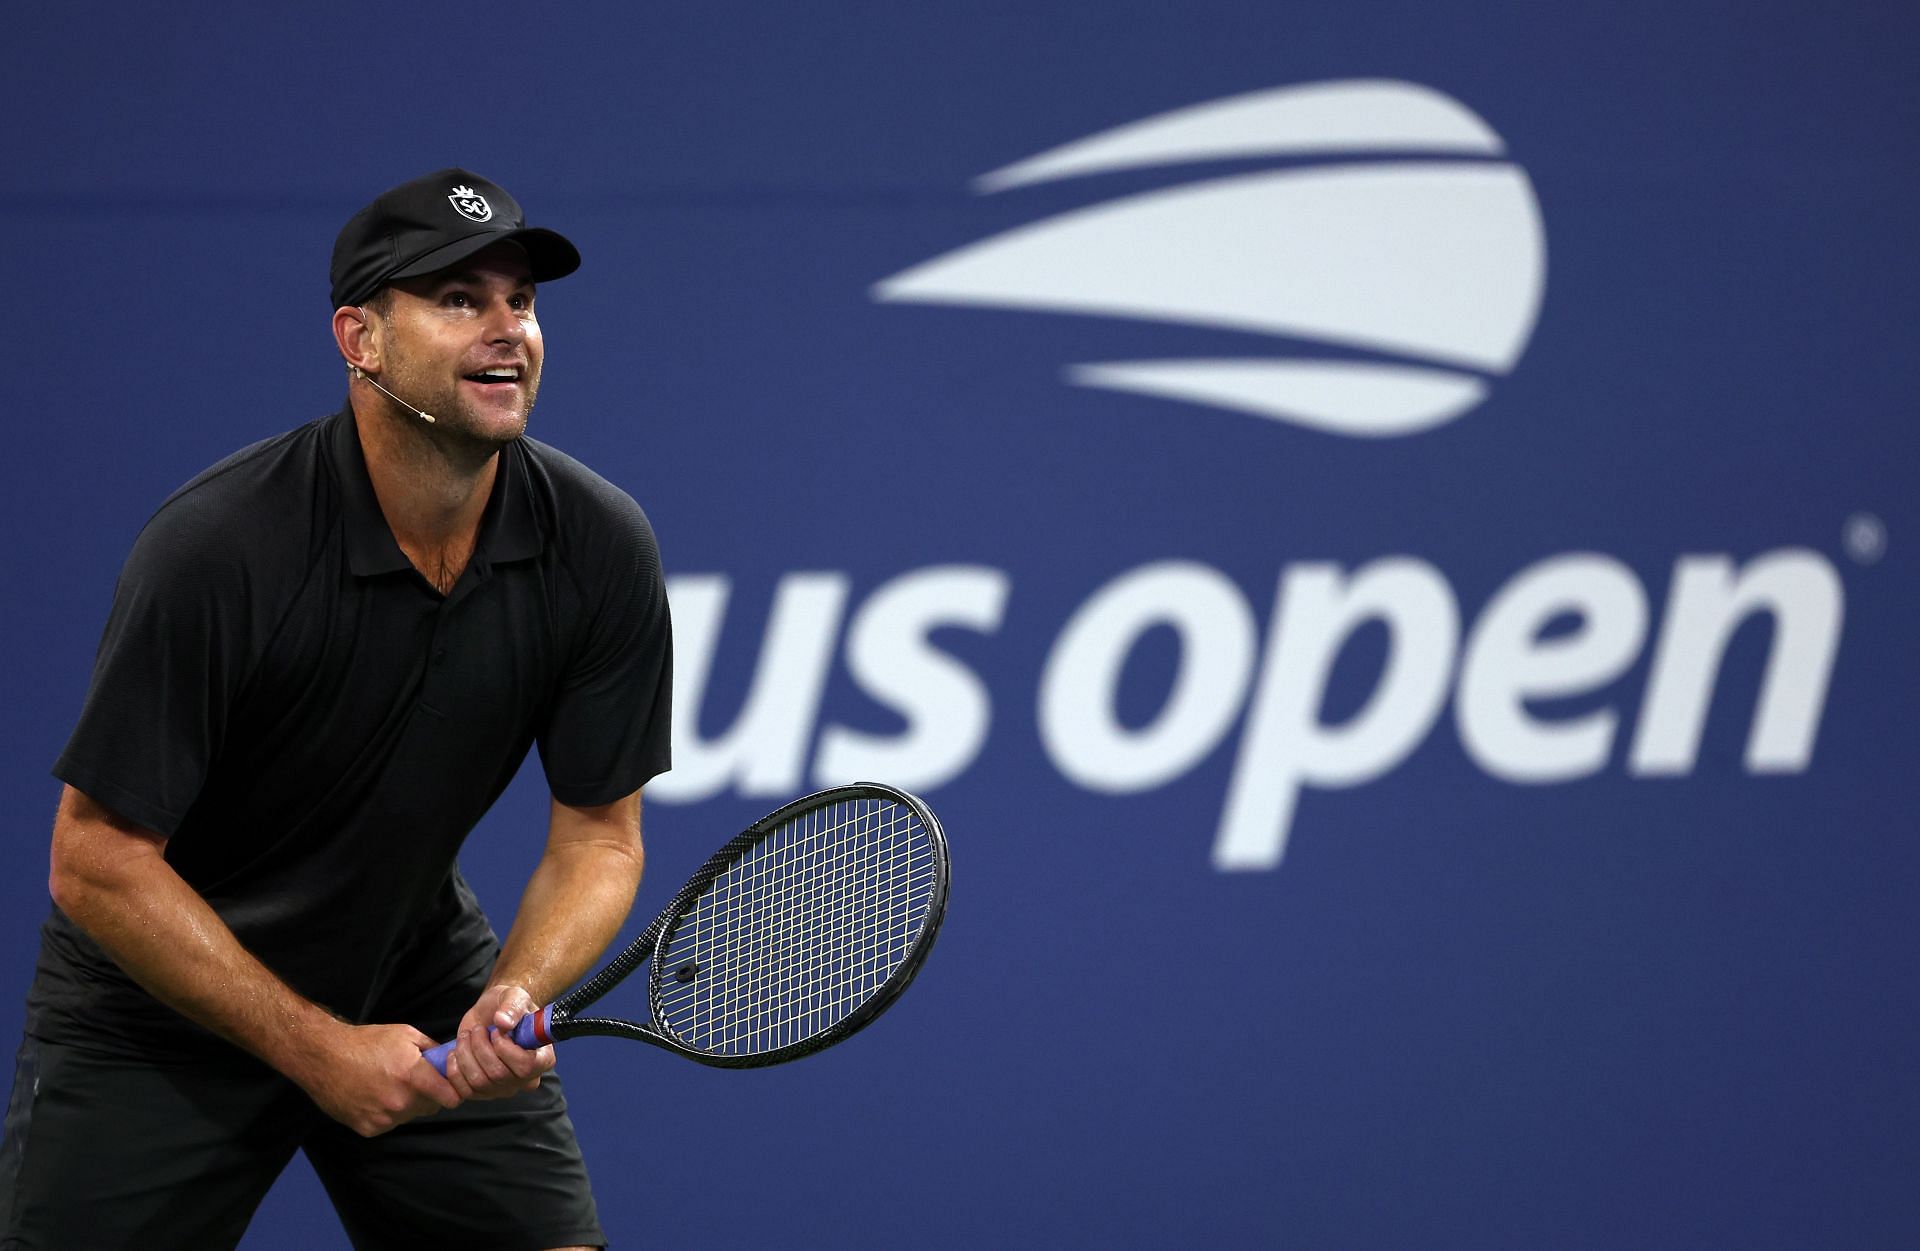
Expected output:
(423, 226)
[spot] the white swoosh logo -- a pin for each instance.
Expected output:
(1439, 262)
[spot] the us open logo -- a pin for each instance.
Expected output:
(1424, 271)
(1398, 262)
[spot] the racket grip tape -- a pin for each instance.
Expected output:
(531, 1031)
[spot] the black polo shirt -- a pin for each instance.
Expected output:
(315, 729)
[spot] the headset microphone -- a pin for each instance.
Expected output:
(361, 374)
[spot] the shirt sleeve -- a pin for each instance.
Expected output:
(608, 733)
(165, 673)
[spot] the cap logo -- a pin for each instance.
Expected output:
(470, 204)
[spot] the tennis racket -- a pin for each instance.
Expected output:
(792, 937)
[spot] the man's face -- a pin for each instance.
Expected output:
(463, 344)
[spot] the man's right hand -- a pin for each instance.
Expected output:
(373, 1078)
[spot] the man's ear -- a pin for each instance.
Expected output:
(353, 335)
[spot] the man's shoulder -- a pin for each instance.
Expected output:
(581, 506)
(259, 499)
(596, 532)
(572, 480)
(236, 480)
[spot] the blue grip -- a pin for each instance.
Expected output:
(437, 1056)
(529, 1032)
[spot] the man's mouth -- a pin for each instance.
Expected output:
(496, 374)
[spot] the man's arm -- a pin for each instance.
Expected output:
(111, 879)
(574, 904)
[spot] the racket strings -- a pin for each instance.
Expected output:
(789, 875)
(735, 933)
(795, 936)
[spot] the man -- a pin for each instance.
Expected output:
(327, 656)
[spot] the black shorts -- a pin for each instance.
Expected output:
(105, 1151)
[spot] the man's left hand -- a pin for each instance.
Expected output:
(485, 1062)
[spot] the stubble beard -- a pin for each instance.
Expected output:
(460, 428)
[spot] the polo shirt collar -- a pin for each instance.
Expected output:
(509, 530)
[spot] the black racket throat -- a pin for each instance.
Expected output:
(792, 937)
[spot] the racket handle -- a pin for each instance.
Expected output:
(531, 1032)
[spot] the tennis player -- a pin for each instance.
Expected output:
(326, 657)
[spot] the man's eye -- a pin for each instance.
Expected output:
(458, 299)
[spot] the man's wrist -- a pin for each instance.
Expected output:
(307, 1045)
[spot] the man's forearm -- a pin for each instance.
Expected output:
(574, 904)
(112, 880)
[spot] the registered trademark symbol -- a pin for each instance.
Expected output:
(1865, 537)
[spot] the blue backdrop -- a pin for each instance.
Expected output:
(1386, 531)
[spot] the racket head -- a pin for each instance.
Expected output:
(801, 930)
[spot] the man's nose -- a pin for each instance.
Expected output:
(504, 323)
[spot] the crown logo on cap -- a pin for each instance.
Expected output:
(470, 204)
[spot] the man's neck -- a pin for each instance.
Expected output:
(431, 491)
